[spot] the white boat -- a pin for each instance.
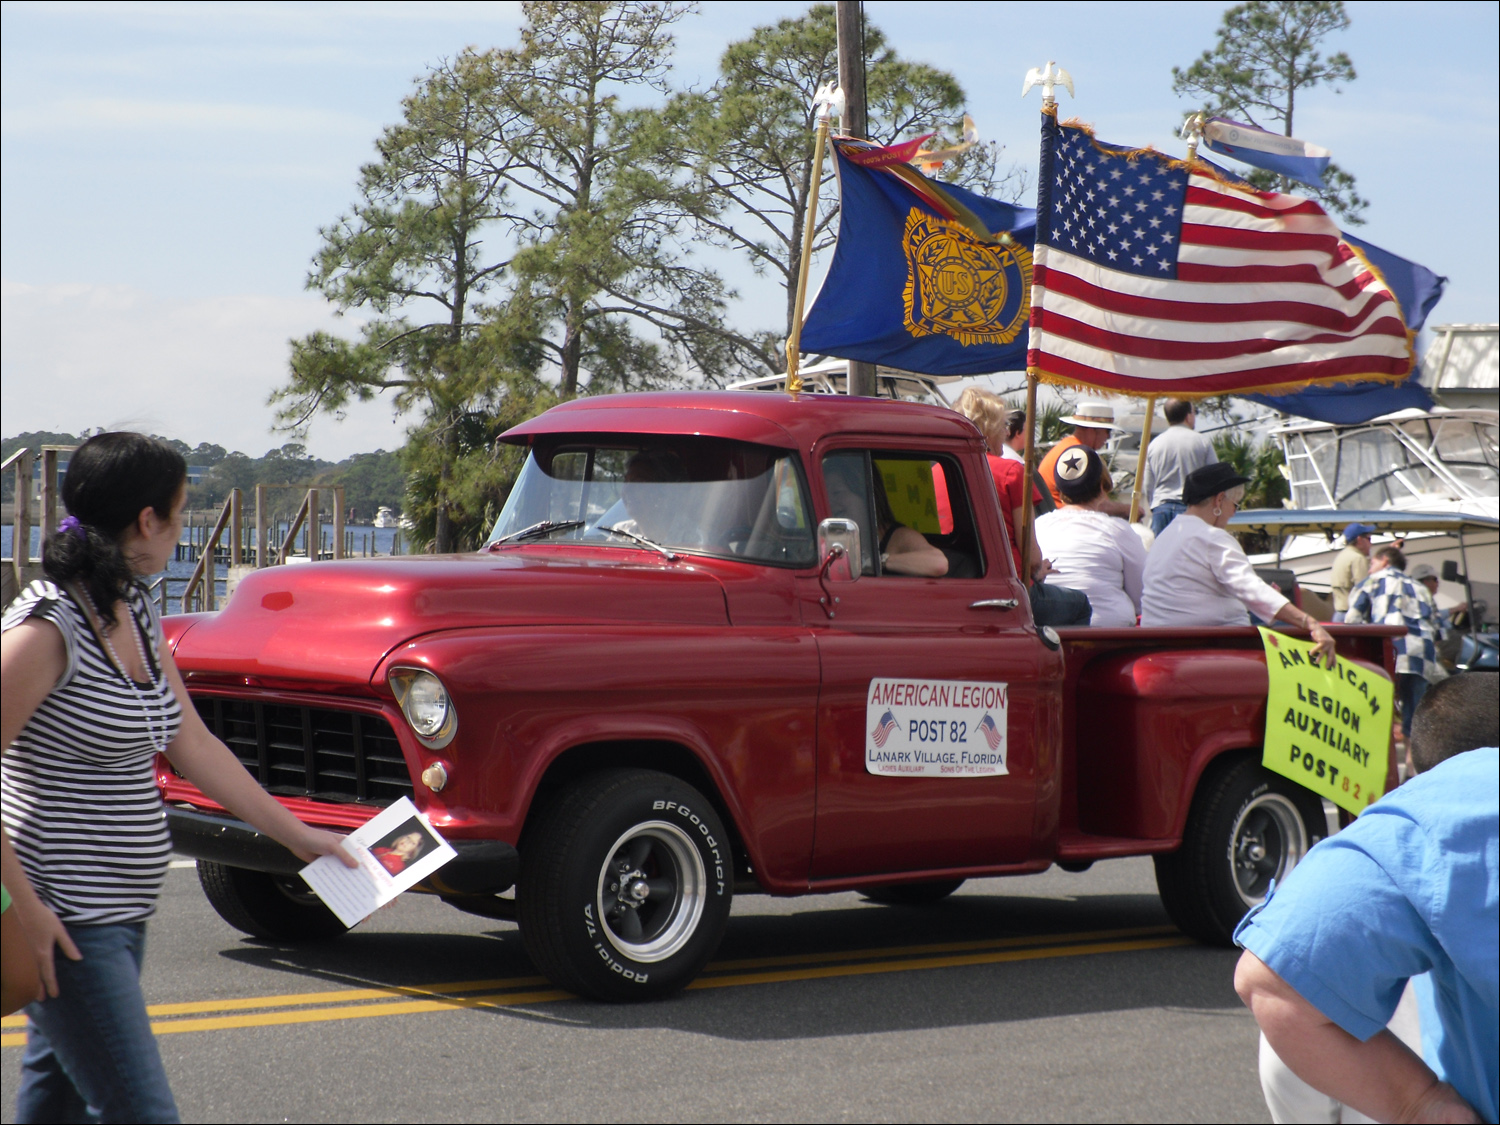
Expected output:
(1388, 471)
(385, 517)
(831, 377)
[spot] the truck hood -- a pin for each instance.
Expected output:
(333, 622)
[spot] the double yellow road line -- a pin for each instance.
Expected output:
(365, 1003)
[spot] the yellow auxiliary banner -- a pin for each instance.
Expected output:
(1327, 730)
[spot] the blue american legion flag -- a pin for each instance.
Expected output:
(1149, 279)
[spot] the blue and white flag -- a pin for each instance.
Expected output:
(1286, 156)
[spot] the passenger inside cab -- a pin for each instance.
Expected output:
(902, 550)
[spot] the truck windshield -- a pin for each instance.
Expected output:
(706, 496)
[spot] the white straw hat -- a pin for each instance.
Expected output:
(1094, 415)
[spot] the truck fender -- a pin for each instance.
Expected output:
(641, 733)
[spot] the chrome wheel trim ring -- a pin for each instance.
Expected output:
(1268, 821)
(672, 845)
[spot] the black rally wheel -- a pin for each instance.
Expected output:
(912, 894)
(625, 886)
(281, 907)
(1247, 827)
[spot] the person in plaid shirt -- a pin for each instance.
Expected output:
(1389, 597)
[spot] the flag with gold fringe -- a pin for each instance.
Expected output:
(926, 276)
(1152, 278)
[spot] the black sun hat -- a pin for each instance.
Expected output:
(1209, 481)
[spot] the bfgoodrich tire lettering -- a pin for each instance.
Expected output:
(1247, 826)
(281, 907)
(626, 883)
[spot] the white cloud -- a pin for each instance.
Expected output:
(198, 369)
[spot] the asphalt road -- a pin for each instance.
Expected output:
(1050, 998)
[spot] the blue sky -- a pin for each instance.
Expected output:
(164, 168)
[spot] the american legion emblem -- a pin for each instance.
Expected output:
(956, 285)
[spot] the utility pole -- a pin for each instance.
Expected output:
(851, 32)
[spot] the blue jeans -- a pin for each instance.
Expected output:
(90, 1055)
(1059, 605)
(1409, 692)
(1164, 513)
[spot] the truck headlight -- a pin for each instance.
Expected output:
(425, 703)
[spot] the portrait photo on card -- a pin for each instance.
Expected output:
(401, 848)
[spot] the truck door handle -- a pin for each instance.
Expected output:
(995, 603)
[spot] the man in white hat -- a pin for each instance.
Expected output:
(1092, 423)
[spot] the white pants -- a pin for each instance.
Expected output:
(1293, 1102)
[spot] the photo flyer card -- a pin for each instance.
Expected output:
(395, 850)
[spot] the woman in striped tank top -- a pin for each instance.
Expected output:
(91, 696)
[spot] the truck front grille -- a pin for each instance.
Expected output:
(311, 751)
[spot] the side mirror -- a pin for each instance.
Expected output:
(840, 557)
(1450, 571)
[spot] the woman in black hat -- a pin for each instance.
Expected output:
(1197, 573)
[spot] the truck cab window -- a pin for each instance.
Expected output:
(907, 505)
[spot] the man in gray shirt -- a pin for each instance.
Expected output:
(1170, 457)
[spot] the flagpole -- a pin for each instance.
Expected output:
(1140, 461)
(824, 102)
(1048, 78)
(1024, 532)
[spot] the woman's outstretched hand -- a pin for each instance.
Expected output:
(314, 842)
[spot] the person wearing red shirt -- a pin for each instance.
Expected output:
(1050, 605)
(403, 851)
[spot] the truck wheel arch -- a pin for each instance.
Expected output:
(690, 764)
(1224, 745)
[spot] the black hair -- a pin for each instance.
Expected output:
(111, 478)
(1177, 410)
(1460, 714)
(1086, 486)
(1015, 422)
(1393, 556)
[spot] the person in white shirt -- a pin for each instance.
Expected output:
(1171, 456)
(1197, 573)
(1091, 550)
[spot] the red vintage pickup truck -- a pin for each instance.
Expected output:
(676, 672)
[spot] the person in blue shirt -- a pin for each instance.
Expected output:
(1409, 890)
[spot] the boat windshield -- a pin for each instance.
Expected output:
(699, 495)
(1412, 464)
(1466, 448)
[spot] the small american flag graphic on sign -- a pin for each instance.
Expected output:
(883, 729)
(990, 731)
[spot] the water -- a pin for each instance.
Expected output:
(378, 540)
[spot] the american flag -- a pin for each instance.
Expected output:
(1152, 280)
(990, 731)
(883, 729)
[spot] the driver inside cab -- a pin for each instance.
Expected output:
(903, 550)
(650, 507)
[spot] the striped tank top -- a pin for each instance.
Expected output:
(79, 784)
